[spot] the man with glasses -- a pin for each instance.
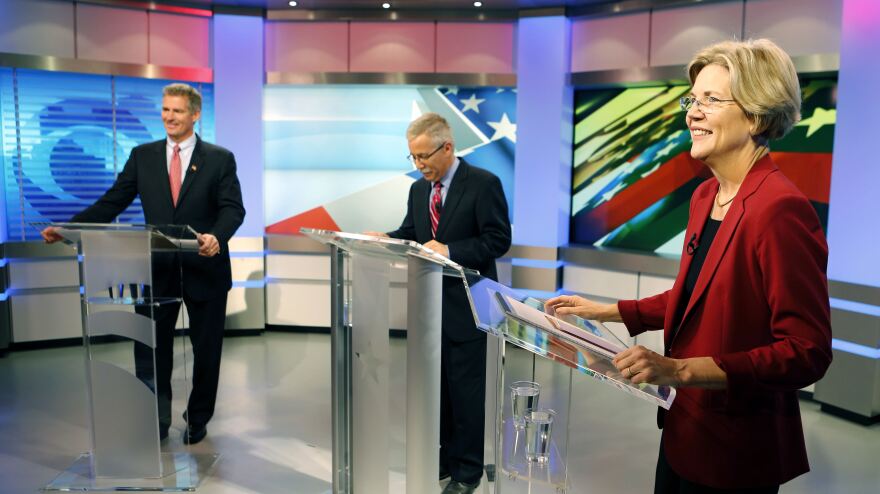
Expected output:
(459, 211)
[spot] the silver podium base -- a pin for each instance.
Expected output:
(186, 471)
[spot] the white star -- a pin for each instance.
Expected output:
(472, 103)
(504, 128)
(370, 365)
(611, 193)
(669, 147)
(499, 90)
(819, 118)
(452, 90)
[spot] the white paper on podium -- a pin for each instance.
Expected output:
(593, 353)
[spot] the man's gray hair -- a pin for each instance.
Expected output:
(432, 125)
(192, 95)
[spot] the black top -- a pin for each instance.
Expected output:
(699, 252)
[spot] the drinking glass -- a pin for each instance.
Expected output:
(539, 427)
(524, 396)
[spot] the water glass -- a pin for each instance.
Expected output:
(524, 396)
(539, 427)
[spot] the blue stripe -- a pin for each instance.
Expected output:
(248, 254)
(536, 263)
(848, 305)
(855, 349)
(249, 284)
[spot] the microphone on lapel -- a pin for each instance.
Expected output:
(692, 245)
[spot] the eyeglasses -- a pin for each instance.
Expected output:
(413, 158)
(710, 104)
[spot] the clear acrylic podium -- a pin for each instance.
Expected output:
(533, 347)
(119, 336)
(360, 275)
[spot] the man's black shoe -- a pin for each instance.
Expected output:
(163, 433)
(456, 487)
(193, 434)
(444, 474)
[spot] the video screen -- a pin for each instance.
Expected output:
(335, 156)
(633, 177)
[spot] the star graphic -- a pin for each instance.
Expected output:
(504, 128)
(472, 103)
(611, 193)
(820, 118)
(669, 147)
(452, 90)
(370, 366)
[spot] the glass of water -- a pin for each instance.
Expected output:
(539, 428)
(524, 396)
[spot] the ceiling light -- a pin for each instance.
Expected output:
(478, 4)
(386, 5)
(292, 3)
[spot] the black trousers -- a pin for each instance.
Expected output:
(206, 326)
(668, 482)
(462, 408)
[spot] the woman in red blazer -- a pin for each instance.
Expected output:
(747, 321)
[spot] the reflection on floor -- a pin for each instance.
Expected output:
(272, 426)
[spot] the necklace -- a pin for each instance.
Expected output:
(725, 203)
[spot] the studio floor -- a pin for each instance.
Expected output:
(272, 426)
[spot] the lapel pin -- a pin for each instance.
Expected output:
(193, 168)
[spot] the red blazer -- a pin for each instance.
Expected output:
(760, 309)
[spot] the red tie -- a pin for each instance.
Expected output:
(174, 175)
(436, 206)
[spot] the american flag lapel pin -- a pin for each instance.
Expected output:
(193, 168)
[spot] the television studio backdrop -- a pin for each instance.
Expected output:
(573, 104)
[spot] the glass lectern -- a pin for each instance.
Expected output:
(530, 455)
(360, 276)
(119, 308)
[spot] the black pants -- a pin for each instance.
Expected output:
(206, 326)
(462, 408)
(668, 482)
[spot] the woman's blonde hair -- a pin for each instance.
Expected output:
(763, 81)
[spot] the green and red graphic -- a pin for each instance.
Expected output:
(633, 176)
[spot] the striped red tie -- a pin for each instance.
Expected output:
(436, 206)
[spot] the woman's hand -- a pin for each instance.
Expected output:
(583, 308)
(640, 365)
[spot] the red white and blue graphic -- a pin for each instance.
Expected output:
(335, 157)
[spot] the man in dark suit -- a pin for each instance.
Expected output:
(459, 211)
(182, 180)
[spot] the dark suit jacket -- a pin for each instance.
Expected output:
(475, 226)
(209, 201)
(760, 309)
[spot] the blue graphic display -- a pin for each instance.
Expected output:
(66, 136)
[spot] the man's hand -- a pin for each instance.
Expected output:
(208, 245)
(50, 235)
(376, 234)
(438, 247)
